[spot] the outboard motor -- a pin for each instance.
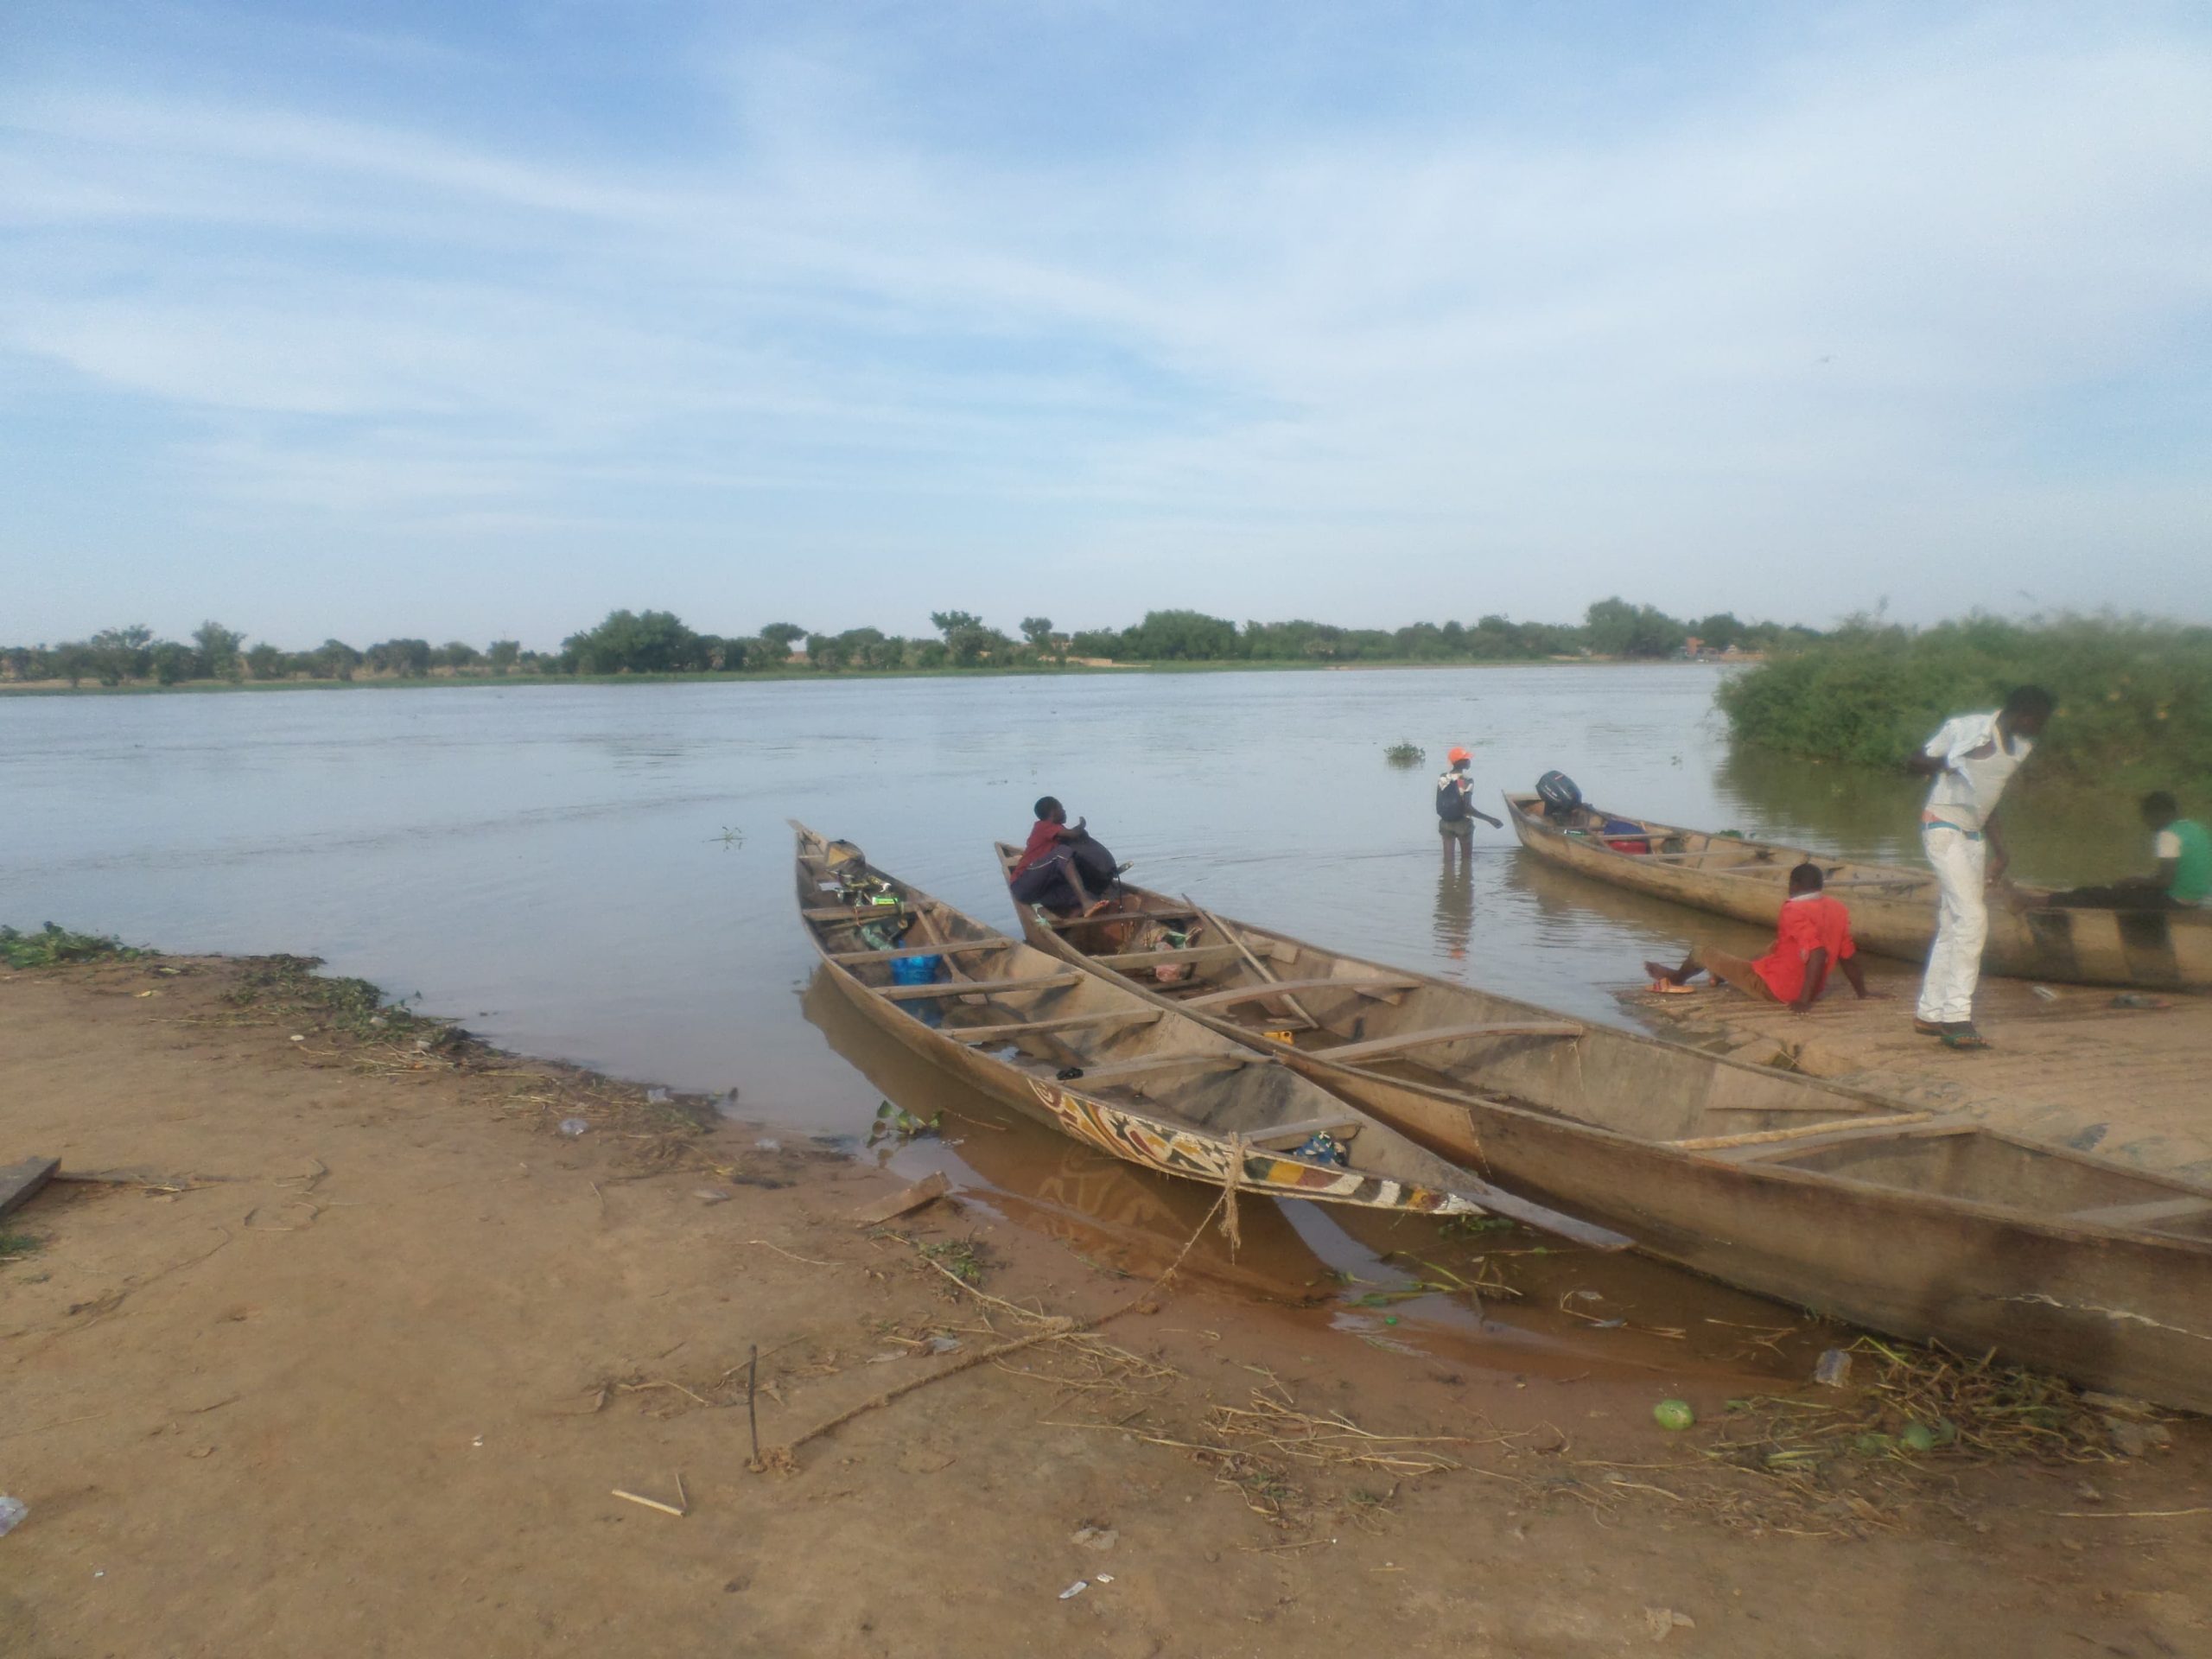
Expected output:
(1560, 796)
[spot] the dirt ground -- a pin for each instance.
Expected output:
(354, 1355)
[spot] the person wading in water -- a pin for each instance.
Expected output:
(1455, 803)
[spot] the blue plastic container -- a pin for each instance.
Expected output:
(916, 971)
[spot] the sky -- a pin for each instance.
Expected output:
(481, 321)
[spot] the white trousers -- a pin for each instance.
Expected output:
(1961, 923)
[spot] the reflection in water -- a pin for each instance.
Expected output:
(1499, 1297)
(1568, 907)
(1455, 900)
(2059, 836)
(1110, 1211)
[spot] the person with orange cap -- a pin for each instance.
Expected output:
(1455, 801)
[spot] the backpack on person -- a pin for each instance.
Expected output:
(1451, 798)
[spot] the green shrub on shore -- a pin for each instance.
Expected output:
(2134, 697)
(51, 946)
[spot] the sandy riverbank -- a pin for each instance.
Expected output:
(354, 1360)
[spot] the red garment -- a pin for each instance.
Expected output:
(1810, 922)
(1044, 836)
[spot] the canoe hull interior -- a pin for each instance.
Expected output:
(1163, 1090)
(1922, 1227)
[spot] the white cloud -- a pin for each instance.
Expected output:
(1820, 314)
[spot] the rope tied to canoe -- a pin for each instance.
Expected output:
(1233, 1174)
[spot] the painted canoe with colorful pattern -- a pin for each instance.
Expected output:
(1159, 1090)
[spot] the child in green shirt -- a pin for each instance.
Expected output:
(2183, 849)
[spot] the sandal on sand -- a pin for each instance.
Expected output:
(1668, 988)
(1965, 1037)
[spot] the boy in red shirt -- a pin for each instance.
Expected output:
(1046, 834)
(1812, 935)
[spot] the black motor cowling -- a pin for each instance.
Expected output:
(1559, 794)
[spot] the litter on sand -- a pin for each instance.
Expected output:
(930, 1188)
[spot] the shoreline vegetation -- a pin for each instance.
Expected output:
(2134, 697)
(657, 645)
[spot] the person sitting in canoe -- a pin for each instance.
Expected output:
(2182, 878)
(1455, 803)
(1047, 833)
(1971, 758)
(1063, 868)
(1812, 935)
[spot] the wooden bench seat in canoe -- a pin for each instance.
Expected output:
(1377, 986)
(1065, 1022)
(1121, 1071)
(860, 912)
(1377, 1047)
(1161, 958)
(1806, 1138)
(1061, 924)
(964, 947)
(973, 987)
(1294, 1134)
(2141, 1215)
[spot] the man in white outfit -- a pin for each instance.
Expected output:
(1972, 758)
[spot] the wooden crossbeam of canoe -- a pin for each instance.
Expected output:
(1294, 1134)
(899, 952)
(1161, 958)
(1065, 1022)
(1120, 1072)
(1377, 1047)
(1380, 985)
(859, 913)
(2142, 1215)
(973, 987)
(1819, 1137)
(1061, 924)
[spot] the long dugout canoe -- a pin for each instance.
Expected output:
(1815, 1193)
(1099, 1063)
(1892, 906)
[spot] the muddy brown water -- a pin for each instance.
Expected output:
(602, 874)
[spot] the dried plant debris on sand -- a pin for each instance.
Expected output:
(1844, 1463)
(1928, 1405)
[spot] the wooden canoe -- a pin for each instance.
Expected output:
(1813, 1193)
(1892, 906)
(1099, 1063)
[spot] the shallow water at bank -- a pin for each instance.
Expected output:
(601, 873)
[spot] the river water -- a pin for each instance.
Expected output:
(602, 873)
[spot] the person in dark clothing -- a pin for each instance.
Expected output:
(1455, 803)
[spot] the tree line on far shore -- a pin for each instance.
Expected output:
(658, 642)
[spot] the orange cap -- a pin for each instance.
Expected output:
(1459, 754)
